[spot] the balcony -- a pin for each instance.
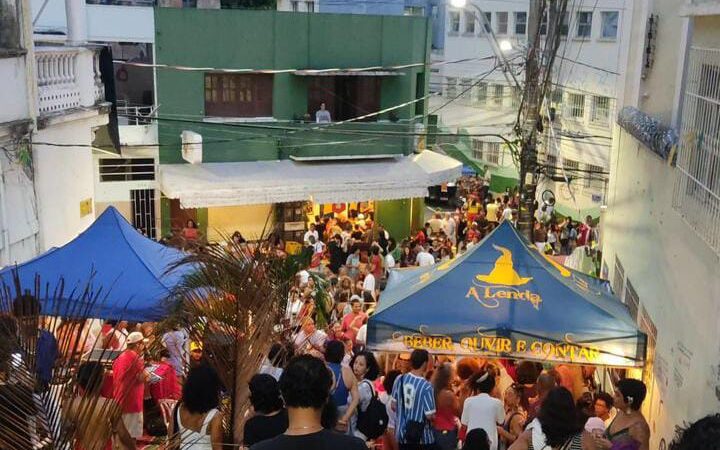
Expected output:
(67, 78)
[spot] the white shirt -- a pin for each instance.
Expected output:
(308, 233)
(389, 261)
(304, 276)
(449, 227)
(483, 411)
(507, 214)
(425, 259)
(361, 335)
(319, 247)
(369, 283)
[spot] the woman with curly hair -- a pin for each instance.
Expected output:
(557, 427)
(197, 422)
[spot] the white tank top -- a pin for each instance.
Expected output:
(194, 440)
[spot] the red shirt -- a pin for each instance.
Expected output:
(168, 387)
(348, 321)
(128, 384)
(420, 237)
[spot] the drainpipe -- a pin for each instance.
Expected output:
(76, 22)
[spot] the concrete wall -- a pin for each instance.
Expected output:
(18, 220)
(677, 278)
(248, 220)
(63, 178)
(105, 23)
(276, 40)
(15, 104)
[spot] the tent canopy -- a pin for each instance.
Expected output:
(502, 298)
(124, 272)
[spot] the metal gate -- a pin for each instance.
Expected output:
(143, 211)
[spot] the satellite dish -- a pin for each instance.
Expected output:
(548, 197)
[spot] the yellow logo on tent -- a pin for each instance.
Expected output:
(501, 283)
(504, 273)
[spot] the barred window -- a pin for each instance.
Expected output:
(477, 149)
(492, 152)
(126, 169)
(481, 93)
(498, 94)
(450, 87)
(576, 106)
(601, 110)
(466, 88)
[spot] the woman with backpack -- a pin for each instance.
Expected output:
(366, 370)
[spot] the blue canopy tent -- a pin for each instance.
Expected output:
(503, 298)
(109, 271)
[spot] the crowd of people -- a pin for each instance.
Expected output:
(321, 388)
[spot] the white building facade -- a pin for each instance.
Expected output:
(53, 101)
(125, 181)
(661, 230)
(583, 91)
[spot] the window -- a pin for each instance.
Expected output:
(551, 165)
(609, 24)
(565, 24)
(600, 110)
(544, 25)
(466, 88)
(488, 22)
(632, 300)
(295, 5)
(492, 152)
(143, 211)
(310, 6)
(454, 22)
(481, 93)
(126, 169)
(501, 21)
(416, 11)
(618, 283)
(571, 167)
(450, 87)
(516, 94)
(593, 176)
(9, 25)
(469, 23)
(576, 106)
(584, 24)
(520, 22)
(557, 97)
(697, 183)
(231, 95)
(498, 94)
(477, 149)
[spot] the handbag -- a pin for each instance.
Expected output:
(413, 429)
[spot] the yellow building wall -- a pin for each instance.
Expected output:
(249, 220)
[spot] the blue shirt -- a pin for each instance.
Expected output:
(416, 402)
(47, 353)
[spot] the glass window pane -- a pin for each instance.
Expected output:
(501, 18)
(520, 22)
(610, 24)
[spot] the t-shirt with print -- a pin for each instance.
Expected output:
(415, 401)
(322, 440)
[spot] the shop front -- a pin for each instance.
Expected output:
(252, 197)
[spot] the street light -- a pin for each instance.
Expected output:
(458, 3)
(505, 45)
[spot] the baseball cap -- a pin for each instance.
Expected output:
(135, 337)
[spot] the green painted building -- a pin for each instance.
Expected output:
(267, 115)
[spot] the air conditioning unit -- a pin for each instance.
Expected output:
(192, 150)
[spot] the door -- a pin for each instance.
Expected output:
(143, 211)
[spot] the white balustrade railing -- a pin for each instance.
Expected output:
(67, 78)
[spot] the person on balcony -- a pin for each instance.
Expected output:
(322, 115)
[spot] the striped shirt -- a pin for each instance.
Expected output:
(415, 403)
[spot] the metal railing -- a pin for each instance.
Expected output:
(134, 115)
(696, 193)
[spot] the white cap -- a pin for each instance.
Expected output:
(135, 337)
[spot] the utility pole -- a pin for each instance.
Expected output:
(538, 71)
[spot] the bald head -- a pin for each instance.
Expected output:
(545, 383)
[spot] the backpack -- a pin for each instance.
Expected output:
(374, 420)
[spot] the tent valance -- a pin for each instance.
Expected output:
(503, 298)
(262, 182)
(124, 272)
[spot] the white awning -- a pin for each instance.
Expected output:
(260, 182)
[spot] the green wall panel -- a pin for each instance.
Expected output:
(278, 40)
(394, 215)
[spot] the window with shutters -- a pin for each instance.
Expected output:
(501, 22)
(232, 95)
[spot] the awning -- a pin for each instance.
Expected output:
(347, 73)
(262, 182)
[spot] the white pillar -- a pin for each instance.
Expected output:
(76, 22)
